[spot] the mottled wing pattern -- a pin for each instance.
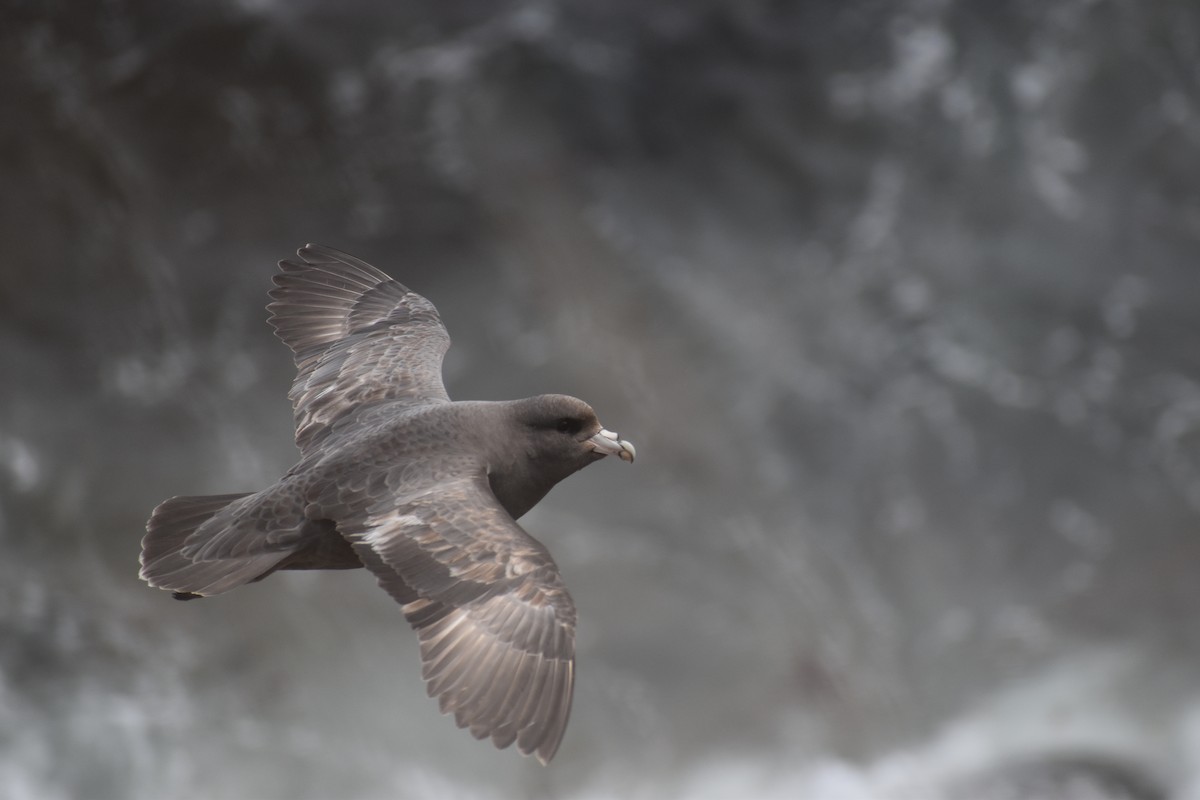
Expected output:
(359, 337)
(496, 625)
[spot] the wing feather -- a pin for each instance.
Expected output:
(496, 624)
(359, 338)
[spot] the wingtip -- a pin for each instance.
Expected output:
(303, 253)
(324, 258)
(545, 754)
(314, 249)
(286, 265)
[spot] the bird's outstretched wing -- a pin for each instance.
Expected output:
(359, 338)
(496, 625)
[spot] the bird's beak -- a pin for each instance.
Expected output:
(607, 443)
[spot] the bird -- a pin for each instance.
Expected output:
(422, 491)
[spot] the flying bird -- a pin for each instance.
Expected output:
(422, 491)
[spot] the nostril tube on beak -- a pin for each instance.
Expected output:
(611, 444)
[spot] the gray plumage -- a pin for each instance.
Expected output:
(422, 491)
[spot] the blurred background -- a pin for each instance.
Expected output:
(898, 301)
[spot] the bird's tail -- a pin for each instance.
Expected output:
(174, 553)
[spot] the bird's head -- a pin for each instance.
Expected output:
(552, 436)
(564, 431)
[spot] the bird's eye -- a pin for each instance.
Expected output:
(568, 425)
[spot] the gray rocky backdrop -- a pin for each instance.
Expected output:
(897, 300)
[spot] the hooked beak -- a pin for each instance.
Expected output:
(607, 443)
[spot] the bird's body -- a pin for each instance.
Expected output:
(422, 491)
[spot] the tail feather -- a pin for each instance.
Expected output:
(169, 533)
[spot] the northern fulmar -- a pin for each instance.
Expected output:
(421, 490)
